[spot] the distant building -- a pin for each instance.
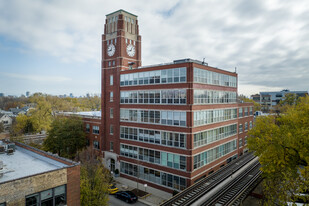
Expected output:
(270, 99)
(71, 95)
(17, 111)
(1, 94)
(27, 94)
(6, 120)
(10, 114)
(29, 176)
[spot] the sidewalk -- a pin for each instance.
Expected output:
(154, 197)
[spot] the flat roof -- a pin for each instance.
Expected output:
(85, 114)
(180, 61)
(25, 163)
(263, 93)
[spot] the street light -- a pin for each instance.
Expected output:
(145, 185)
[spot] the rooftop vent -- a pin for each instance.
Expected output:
(178, 61)
(9, 151)
(11, 146)
(2, 149)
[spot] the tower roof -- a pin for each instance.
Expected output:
(121, 11)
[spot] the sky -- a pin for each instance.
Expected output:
(54, 46)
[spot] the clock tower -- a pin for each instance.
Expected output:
(121, 50)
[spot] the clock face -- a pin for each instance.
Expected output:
(130, 50)
(111, 50)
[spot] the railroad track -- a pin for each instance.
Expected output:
(197, 190)
(237, 189)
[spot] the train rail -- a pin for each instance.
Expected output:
(233, 192)
(199, 189)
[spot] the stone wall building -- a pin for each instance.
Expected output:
(29, 176)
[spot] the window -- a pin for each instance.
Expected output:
(111, 96)
(95, 130)
(240, 128)
(212, 135)
(204, 117)
(111, 146)
(250, 125)
(114, 61)
(87, 128)
(111, 113)
(171, 139)
(240, 112)
(111, 80)
(246, 126)
(176, 75)
(175, 96)
(207, 77)
(32, 200)
(211, 155)
(246, 111)
(154, 176)
(157, 157)
(251, 111)
(46, 197)
(54, 196)
(246, 140)
(96, 144)
(240, 142)
(109, 63)
(111, 129)
(214, 97)
(176, 118)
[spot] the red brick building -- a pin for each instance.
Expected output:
(166, 125)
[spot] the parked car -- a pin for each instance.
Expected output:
(126, 196)
(300, 199)
(112, 189)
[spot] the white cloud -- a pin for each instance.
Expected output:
(266, 40)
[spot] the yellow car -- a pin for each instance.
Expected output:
(112, 189)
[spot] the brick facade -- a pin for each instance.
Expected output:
(121, 30)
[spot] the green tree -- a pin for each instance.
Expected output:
(282, 145)
(94, 179)
(65, 137)
(22, 125)
(41, 117)
(1, 127)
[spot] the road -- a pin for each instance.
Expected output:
(113, 201)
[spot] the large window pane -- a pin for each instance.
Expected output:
(32, 200)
